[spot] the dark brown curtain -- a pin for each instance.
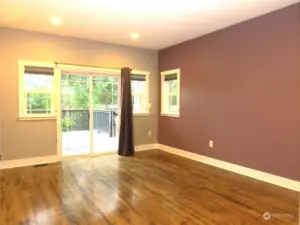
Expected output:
(126, 142)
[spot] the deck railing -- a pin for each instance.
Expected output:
(104, 121)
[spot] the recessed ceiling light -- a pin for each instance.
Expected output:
(55, 20)
(134, 35)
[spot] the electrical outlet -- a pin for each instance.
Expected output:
(211, 144)
(149, 133)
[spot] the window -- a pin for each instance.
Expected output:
(36, 90)
(140, 92)
(170, 93)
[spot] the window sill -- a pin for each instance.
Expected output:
(25, 118)
(169, 114)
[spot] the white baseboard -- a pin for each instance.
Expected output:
(146, 147)
(28, 162)
(266, 177)
(7, 164)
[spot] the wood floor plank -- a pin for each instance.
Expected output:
(152, 188)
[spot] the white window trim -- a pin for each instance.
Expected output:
(57, 68)
(117, 72)
(163, 74)
(21, 101)
(147, 96)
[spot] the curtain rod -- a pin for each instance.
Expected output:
(98, 67)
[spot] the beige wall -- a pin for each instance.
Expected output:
(24, 139)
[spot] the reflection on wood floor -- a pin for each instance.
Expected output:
(151, 188)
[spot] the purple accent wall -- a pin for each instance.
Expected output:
(240, 87)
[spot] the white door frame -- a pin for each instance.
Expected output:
(88, 71)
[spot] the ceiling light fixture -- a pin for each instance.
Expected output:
(134, 35)
(55, 20)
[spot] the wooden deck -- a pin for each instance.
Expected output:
(79, 142)
(149, 189)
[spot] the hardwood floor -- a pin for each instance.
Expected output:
(153, 187)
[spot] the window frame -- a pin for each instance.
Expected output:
(22, 114)
(147, 92)
(163, 111)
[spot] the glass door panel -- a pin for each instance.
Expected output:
(105, 113)
(75, 123)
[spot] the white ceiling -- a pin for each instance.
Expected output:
(160, 23)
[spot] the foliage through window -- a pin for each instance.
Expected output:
(105, 92)
(170, 92)
(77, 90)
(76, 96)
(36, 90)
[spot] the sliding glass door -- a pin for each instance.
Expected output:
(105, 114)
(75, 115)
(89, 114)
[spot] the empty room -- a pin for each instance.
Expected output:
(162, 112)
